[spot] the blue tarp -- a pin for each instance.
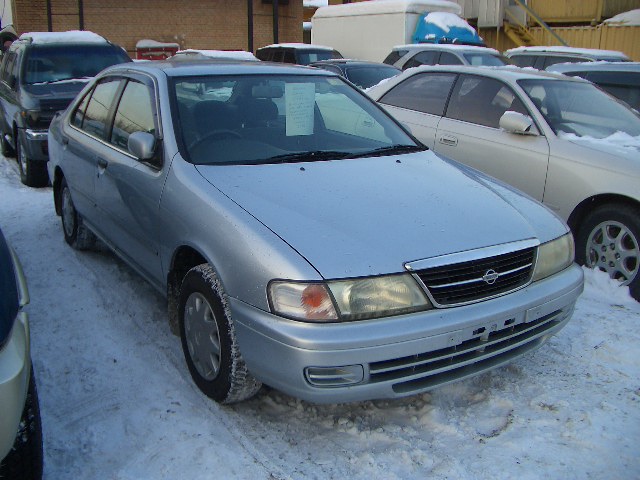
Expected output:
(430, 33)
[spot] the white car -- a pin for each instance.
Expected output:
(560, 139)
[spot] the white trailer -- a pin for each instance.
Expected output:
(369, 30)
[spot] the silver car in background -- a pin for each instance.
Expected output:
(303, 239)
(20, 427)
(559, 139)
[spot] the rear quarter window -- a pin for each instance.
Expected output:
(426, 93)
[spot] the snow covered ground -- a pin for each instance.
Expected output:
(118, 403)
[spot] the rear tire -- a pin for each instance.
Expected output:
(75, 232)
(6, 149)
(24, 461)
(32, 173)
(609, 239)
(209, 343)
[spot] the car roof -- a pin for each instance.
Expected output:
(72, 36)
(216, 67)
(446, 46)
(508, 73)
(350, 62)
(595, 67)
(298, 46)
(584, 52)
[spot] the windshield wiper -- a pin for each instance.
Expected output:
(389, 150)
(69, 79)
(306, 156)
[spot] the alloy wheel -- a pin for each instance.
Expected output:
(613, 248)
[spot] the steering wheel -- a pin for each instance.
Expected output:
(219, 133)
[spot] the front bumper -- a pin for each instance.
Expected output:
(403, 355)
(34, 143)
(15, 367)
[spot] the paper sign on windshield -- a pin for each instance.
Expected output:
(300, 99)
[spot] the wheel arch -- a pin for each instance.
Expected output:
(56, 181)
(580, 212)
(184, 258)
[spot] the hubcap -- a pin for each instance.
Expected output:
(613, 248)
(202, 336)
(68, 213)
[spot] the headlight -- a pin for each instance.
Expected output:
(344, 300)
(554, 256)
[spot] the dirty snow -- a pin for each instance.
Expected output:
(118, 403)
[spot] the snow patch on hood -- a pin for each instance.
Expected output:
(620, 143)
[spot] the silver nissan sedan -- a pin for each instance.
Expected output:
(303, 238)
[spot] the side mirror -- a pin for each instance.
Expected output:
(142, 145)
(514, 122)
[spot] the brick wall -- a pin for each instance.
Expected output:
(203, 24)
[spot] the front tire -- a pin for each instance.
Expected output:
(75, 232)
(209, 343)
(24, 461)
(609, 239)
(32, 173)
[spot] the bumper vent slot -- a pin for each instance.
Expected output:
(428, 370)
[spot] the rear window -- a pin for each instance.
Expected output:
(55, 63)
(306, 57)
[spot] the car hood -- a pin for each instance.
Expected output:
(66, 88)
(351, 218)
(620, 145)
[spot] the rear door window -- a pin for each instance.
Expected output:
(96, 117)
(422, 58)
(447, 58)
(424, 92)
(524, 60)
(394, 56)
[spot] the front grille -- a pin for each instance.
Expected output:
(54, 104)
(430, 369)
(463, 282)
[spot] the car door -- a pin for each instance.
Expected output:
(470, 133)
(81, 139)
(419, 102)
(9, 84)
(128, 190)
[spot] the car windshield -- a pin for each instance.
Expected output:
(254, 119)
(487, 59)
(55, 63)
(365, 77)
(580, 108)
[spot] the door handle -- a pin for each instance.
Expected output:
(65, 140)
(102, 165)
(448, 140)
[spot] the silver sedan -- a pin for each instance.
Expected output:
(561, 140)
(303, 239)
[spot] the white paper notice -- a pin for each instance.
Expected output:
(300, 100)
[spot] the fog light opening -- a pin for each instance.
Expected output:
(334, 376)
